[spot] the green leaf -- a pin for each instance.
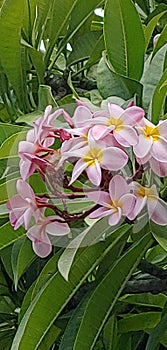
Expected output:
(6, 130)
(7, 190)
(83, 47)
(158, 332)
(88, 237)
(56, 27)
(110, 333)
(124, 342)
(8, 235)
(142, 321)
(96, 52)
(38, 316)
(159, 98)
(145, 299)
(70, 332)
(21, 258)
(150, 27)
(9, 147)
(161, 41)
(78, 12)
(37, 61)
(47, 272)
(10, 53)
(106, 296)
(125, 57)
(159, 233)
(45, 97)
(153, 71)
(50, 338)
(113, 84)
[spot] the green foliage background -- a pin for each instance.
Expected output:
(78, 298)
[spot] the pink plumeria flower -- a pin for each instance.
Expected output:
(23, 206)
(40, 232)
(94, 157)
(39, 140)
(118, 122)
(148, 196)
(83, 120)
(115, 204)
(152, 141)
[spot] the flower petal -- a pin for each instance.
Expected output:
(115, 217)
(117, 187)
(100, 213)
(159, 168)
(114, 159)
(159, 150)
(126, 136)
(133, 115)
(128, 202)
(82, 116)
(158, 211)
(25, 190)
(143, 146)
(79, 167)
(57, 229)
(94, 173)
(100, 131)
(115, 110)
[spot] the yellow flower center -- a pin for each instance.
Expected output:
(145, 191)
(151, 132)
(118, 123)
(92, 155)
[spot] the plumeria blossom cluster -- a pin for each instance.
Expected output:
(97, 144)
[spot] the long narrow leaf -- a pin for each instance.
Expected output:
(125, 56)
(40, 316)
(107, 293)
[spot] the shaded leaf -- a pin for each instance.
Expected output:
(126, 58)
(159, 97)
(142, 321)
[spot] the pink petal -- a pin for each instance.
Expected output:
(126, 136)
(41, 243)
(139, 205)
(118, 187)
(159, 168)
(25, 190)
(27, 217)
(143, 147)
(133, 115)
(100, 213)
(26, 147)
(94, 173)
(100, 131)
(79, 167)
(30, 136)
(159, 150)
(16, 202)
(26, 168)
(114, 159)
(115, 110)
(115, 217)
(57, 228)
(99, 197)
(158, 211)
(162, 127)
(82, 116)
(42, 249)
(127, 203)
